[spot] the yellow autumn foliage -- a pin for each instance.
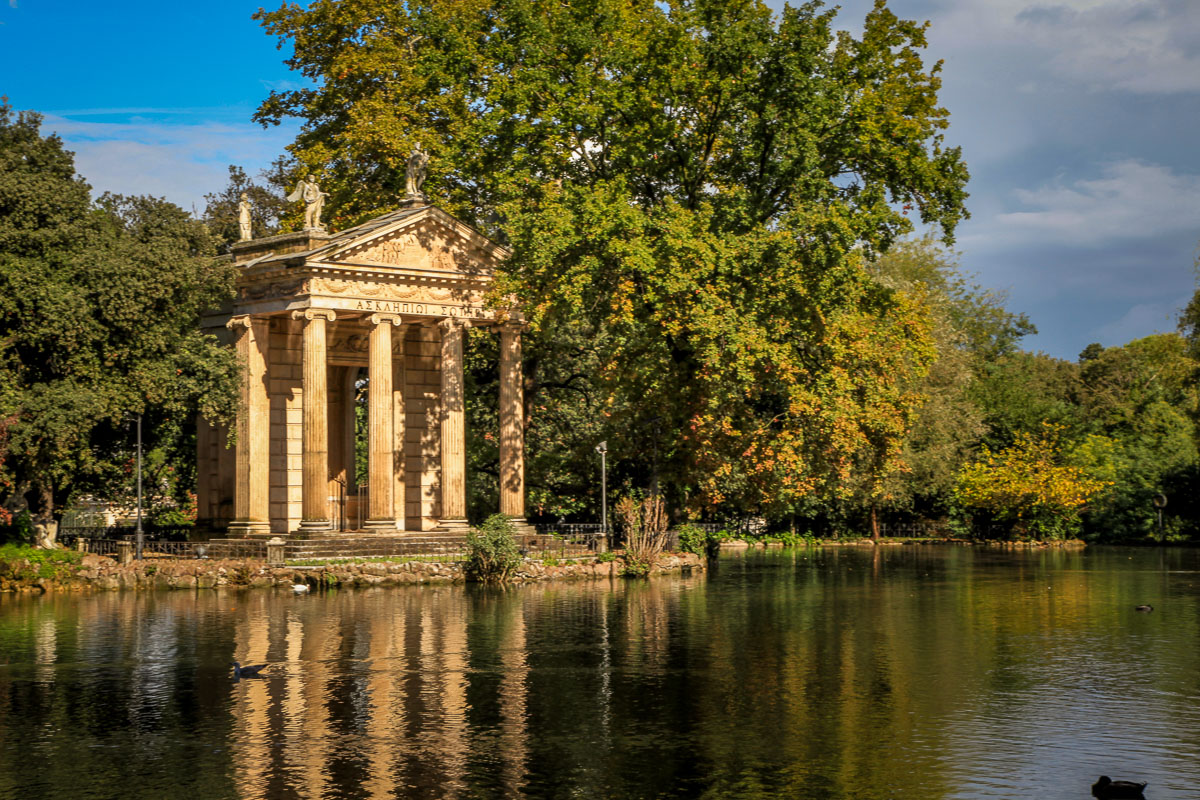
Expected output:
(1027, 487)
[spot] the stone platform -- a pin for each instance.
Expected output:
(357, 544)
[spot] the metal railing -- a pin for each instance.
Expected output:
(564, 545)
(913, 530)
(568, 528)
(158, 533)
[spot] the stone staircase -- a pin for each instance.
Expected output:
(365, 545)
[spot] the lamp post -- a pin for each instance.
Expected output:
(138, 535)
(602, 449)
(1160, 502)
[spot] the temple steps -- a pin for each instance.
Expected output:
(355, 544)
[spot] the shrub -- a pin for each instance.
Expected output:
(606, 557)
(27, 562)
(645, 527)
(492, 551)
(694, 539)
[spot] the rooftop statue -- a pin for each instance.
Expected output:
(314, 199)
(244, 226)
(415, 175)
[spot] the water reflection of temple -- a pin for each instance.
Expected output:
(427, 693)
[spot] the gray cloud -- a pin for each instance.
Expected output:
(1076, 119)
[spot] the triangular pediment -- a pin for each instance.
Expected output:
(420, 240)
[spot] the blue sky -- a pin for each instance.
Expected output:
(1078, 120)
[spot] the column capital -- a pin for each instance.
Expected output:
(510, 326)
(240, 321)
(327, 314)
(379, 319)
(454, 323)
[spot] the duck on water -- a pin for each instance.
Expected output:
(1108, 789)
(247, 671)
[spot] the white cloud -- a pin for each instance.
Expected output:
(1131, 199)
(181, 162)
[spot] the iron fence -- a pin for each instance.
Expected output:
(157, 533)
(101, 547)
(564, 544)
(913, 530)
(568, 528)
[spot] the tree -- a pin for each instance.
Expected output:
(1027, 488)
(1139, 401)
(1021, 391)
(99, 305)
(694, 185)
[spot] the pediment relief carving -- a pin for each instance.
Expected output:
(426, 245)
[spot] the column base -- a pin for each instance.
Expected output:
(380, 526)
(521, 526)
(309, 527)
(245, 528)
(453, 525)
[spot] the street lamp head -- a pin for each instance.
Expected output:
(602, 448)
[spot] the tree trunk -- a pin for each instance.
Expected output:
(874, 524)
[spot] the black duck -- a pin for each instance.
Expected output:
(1108, 789)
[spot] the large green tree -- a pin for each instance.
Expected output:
(693, 187)
(99, 304)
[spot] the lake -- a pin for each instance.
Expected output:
(895, 672)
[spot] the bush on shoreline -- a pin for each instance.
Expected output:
(26, 562)
(493, 555)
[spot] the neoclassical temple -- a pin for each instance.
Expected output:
(320, 320)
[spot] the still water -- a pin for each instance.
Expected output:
(906, 672)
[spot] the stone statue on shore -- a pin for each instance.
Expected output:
(415, 175)
(45, 535)
(244, 224)
(314, 199)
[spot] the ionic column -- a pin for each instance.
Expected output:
(454, 450)
(251, 491)
(512, 425)
(315, 397)
(381, 436)
(399, 480)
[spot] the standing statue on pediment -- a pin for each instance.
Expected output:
(314, 199)
(415, 175)
(244, 224)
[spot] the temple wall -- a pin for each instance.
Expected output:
(422, 433)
